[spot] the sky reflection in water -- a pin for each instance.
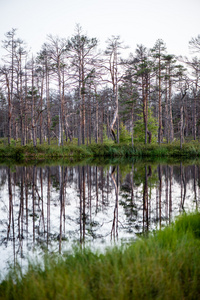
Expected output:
(51, 208)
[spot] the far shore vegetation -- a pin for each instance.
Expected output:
(73, 94)
(71, 150)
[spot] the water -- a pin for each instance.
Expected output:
(52, 208)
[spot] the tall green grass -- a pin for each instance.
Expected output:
(166, 265)
(44, 151)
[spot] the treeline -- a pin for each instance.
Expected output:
(72, 91)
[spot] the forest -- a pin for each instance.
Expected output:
(70, 91)
(127, 126)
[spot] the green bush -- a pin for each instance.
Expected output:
(125, 135)
(139, 128)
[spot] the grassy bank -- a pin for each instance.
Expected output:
(166, 265)
(71, 151)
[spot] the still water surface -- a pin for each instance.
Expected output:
(54, 207)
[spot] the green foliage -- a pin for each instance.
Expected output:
(106, 150)
(55, 121)
(125, 135)
(139, 129)
(165, 265)
(152, 174)
(106, 140)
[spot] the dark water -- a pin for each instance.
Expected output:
(51, 208)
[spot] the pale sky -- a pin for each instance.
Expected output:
(135, 21)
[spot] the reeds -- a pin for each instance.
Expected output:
(44, 151)
(166, 265)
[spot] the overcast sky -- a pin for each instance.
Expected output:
(135, 21)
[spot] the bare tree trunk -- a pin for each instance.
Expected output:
(113, 123)
(145, 104)
(33, 109)
(101, 125)
(48, 103)
(132, 111)
(167, 115)
(83, 106)
(25, 111)
(195, 114)
(20, 97)
(97, 120)
(170, 113)
(89, 139)
(60, 134)
(113, 68)
(181, 121)
(9, 109)
(41, 109)
(159, 106)
(181, 126)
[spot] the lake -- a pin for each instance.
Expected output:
(53, 208)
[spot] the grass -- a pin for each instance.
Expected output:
(166, 265)
(71, 150)
(43, 151)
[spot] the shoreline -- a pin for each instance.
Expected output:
(71, 151)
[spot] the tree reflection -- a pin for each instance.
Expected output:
(11, 225)
(146, 199)
(160, 193)
(51, 207)
(114, 230)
